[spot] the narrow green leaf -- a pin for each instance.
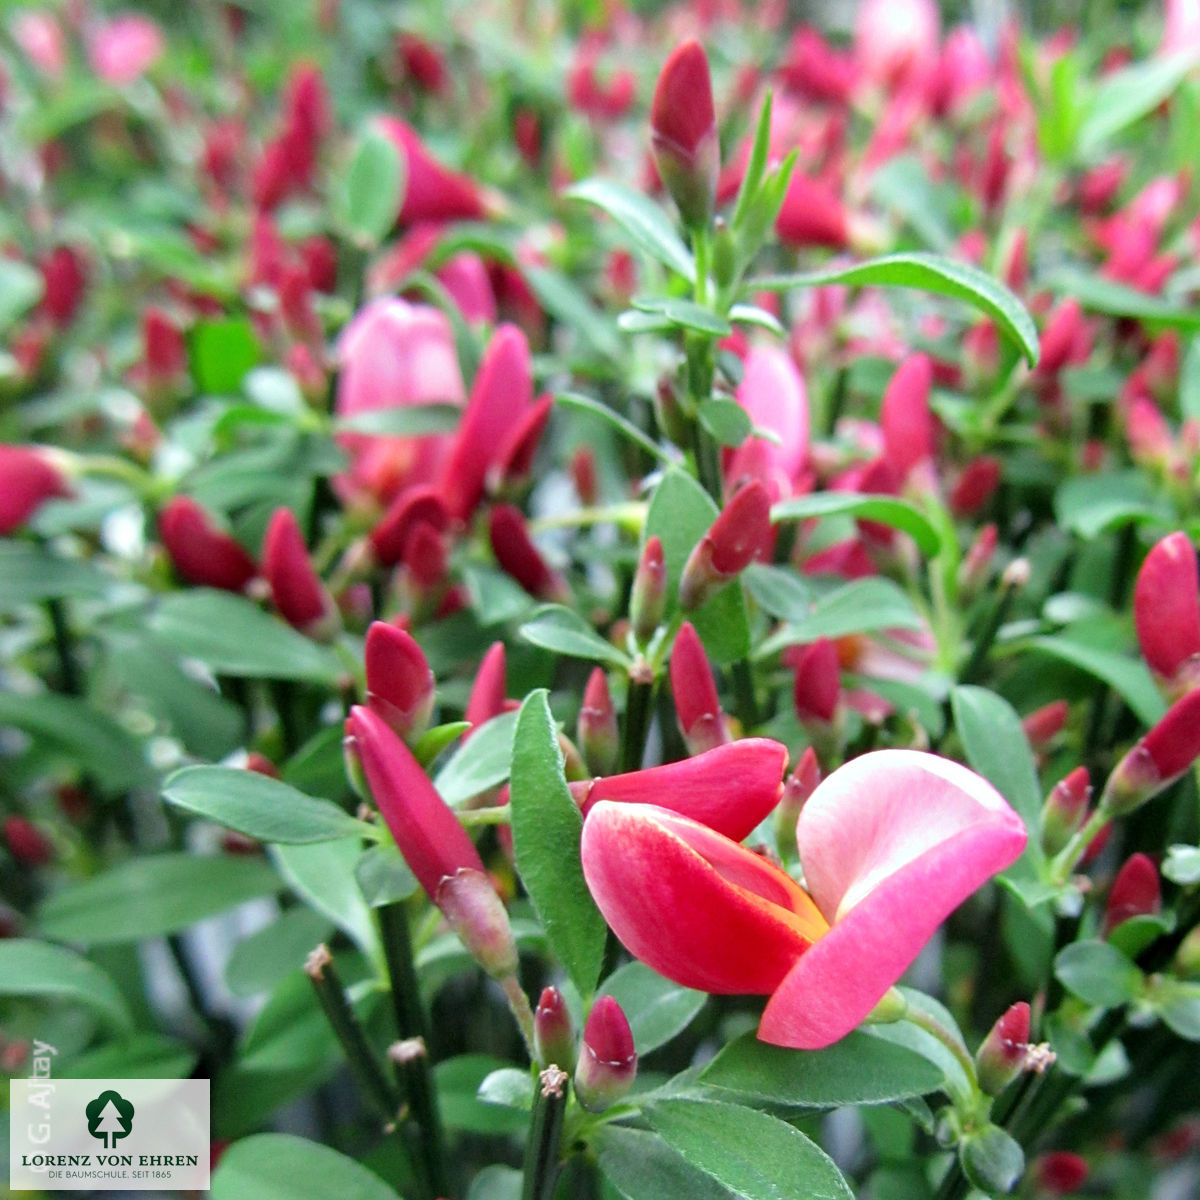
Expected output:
(1093, 504)
(1189, 382)
(779, 591)
(1099, 295)
(625, 427)
(546, 826)
(232, 636)
(564, 300)
(860, 1069)
(139, 1056)
(756, 1156)
(1098, 973)
(684, 314)
(33, 968)
(726, 420)
(645, 223)
(1125, 675)
(656, 1008)
(222, 351)
(20, 289)
(556, 628)
(280, 1166)
(260, 961)
(374, 187)
(30, 573)
(888, 510)
(751, 314)
(151, 896)
(1128, 95)
(260, 807)
(680, 514)
(480, 763)
(928, 273)
(998, 749)
(410, 420)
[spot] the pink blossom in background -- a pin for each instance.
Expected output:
(772, 391)
(39, 36)
(895, 39)
(125, 48)
(1181, 28)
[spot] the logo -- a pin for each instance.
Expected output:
(109, 1118)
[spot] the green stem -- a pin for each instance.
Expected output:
(930, 1024)
(637, 723)
(349, 1033)
(545, 1135)
(413, 1062)
(64, 646)
(743, 692)
(518, 1005)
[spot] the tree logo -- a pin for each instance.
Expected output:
(109, 1117)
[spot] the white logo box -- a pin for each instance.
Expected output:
(108, 1134)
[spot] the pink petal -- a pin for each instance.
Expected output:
(697, 907)
(891, 843)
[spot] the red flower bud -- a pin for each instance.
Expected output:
(684, 139)
(812, 214)
(648, 599)
(63, 282)
(818, 682)
(599, 738)
(487, 699)
(412, 507)
(514, 464)
(164, 353)
(1157, 760)
(978, 558)
(432, 192)
(296, 588)
(260, 764)
(975, 486)
(1065, 810)
(694, 689)
(476, 913)
(1046, 723)
(400, 685)
(607, 1059)
(1002, 1055)
(1135, 892)
(1166, 612)
(520, 558)
(733, 541)
(1059, 1173)
(27, 843)
(583, 475)
(29, 480)
(200, 552)
(905, 418)
(553, 1038)
(1065, 339)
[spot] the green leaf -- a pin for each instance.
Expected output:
(680, 514)
(645, 223)
(510, 1087)
(756, 1156)
(656, 1008)
(33, 968)
(409, 420)
(497, 1183)
(69, 726)
(726, 420)
(1099, 295)
(279, 1166)
(1093, 504)
(1182, 865)
(903, 184)
(151, 896)
(1098, 974)
(859, 1069)
(860, 606)
(1125, 675)
(929, 273)
(751, 314)
(260, 961)
(1127, 95)
(232, 636)
(992, 1160)
(610, 417)
(20, 289)
(1189, 382)
(260, 807)
(556, 628)
(139, 1056)
(998, 749)
(374, 187)
(780, 591)
(482, 762)
(546, 826)
(222, 351)
(899, 514)
(384, 877)
(29, 574)
(458, 1081)
(495, 597)
(1178, 1003)
(641, 1166)
(323, 875)
(684, 314)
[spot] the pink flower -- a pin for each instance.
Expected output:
(895, 39)
(812, 215)
(520, 558)
(39, 36)
(395, 354)
(1181, 29)
(1166, 611)
(905, 418)
(29, 479)
(201, 552)
(125, 48)
(432, 192)
(772, 391)
(891, 844)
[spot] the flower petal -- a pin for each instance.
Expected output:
(697, 907)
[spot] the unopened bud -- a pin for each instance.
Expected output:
(978, 559)
(1065, 810)
(296, 589)
(1160, 758)
(1166, 612)
(1187, 957)
(1135, 892)
(1044, 724)
(599, 737)
(694, 689)
(553, 1037)
(26, 842)
(1059, 1173)
(731, 544)
(684, 133)
(670, 415)
(648, 600)
(797, 788)
(607, 1059)
(1006, 1052)
(520, 558)
(400, 684)
(818, 682)
(476, 913)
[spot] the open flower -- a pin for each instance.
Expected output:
(891, 843)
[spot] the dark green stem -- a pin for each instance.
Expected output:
(349, 1032)
(412, 1062)
(637, 723)
(972, 672)
(743, 692)
(545, 1134)
(283, 692)
(64, 645)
